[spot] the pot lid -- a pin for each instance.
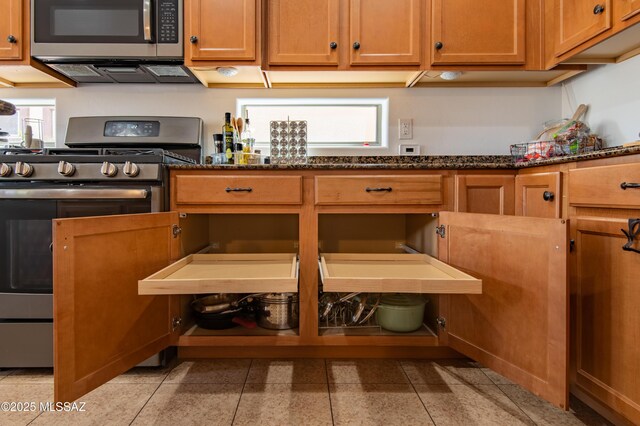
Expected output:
(398, 299)
(276, 297)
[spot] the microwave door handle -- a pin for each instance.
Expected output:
(146, 19)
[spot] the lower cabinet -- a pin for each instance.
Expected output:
(607, 317)
(493, 194)
(539, 195)
(495, 286)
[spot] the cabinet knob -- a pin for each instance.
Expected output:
(333, 45)
(356, 45)
(598, 9)
(548, 196)
(193, 39)
(11, 39)
(439, 45)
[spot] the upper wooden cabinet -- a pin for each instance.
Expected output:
(629, 9)
(11, 40)
(385, 32)
(221, 30)
(579, 21)
(304, 32)
(478, 32)
(591, 31)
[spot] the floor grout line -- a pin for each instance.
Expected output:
(154, 392)
(326, 372)
(235, 413)
(508, 397)
(415, 390)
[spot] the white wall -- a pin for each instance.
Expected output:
(447, 121)
(613, 95)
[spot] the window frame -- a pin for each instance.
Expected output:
(382, 117)
(34, 102)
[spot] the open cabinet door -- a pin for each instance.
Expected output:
(102, 327)
(519, 325)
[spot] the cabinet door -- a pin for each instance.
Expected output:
(11, 41)
(478, 32)
(579, 21)
(101, 326)
(539, 195)
(304, 32)
(221, 30)
(518, 326)
(630, 8)
(607, 316)
(385, 32)
(492, 194)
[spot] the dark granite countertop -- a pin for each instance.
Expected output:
(441, 162)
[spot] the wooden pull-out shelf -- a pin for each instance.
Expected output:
(393, 273)
(225, 273)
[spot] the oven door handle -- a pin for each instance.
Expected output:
(72, 193)
(146, 19)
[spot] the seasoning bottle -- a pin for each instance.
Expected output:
(228, 133)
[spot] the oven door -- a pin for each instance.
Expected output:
(106, 28)
(26, 271)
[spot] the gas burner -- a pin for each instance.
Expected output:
(130, 151)
(20, 151)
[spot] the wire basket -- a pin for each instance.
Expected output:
(542, 150)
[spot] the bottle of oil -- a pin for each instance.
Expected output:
(227, 131)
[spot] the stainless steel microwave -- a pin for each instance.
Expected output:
(143, 30)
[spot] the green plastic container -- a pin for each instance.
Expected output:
(401, 313)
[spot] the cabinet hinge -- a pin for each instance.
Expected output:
(442, 322)
(175, 323)
(440, 230)
(176, 230)
(572, 246)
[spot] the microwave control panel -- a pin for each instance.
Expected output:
(168, 21)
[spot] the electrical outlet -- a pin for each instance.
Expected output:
(405, 128)
(406, 149)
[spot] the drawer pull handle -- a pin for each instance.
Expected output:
(239, 189)
(548, 196)
(388, 189)
(625, 185)
(631, 234)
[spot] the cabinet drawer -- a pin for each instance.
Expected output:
(225, 273)
(332, 190)
(238, 190)
(604, 186)
(393, 273)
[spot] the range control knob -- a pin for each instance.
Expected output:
(131, 169)
(24, 169)
(5, 170)
(108, 169)
(66, 169)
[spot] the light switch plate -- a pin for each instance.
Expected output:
(406, 149)
(405, 128)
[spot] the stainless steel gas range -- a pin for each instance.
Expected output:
(114, 165)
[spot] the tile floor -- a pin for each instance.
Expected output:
(296, 392)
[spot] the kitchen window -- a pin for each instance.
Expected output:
(40, 114)
(331, 123)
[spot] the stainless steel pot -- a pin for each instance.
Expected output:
(278, 311)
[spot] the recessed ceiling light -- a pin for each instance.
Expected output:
(228, 71)
(450, 75)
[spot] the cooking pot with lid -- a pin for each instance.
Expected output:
(278, 311)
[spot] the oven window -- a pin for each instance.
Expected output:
(25, 254)
(26, 264)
